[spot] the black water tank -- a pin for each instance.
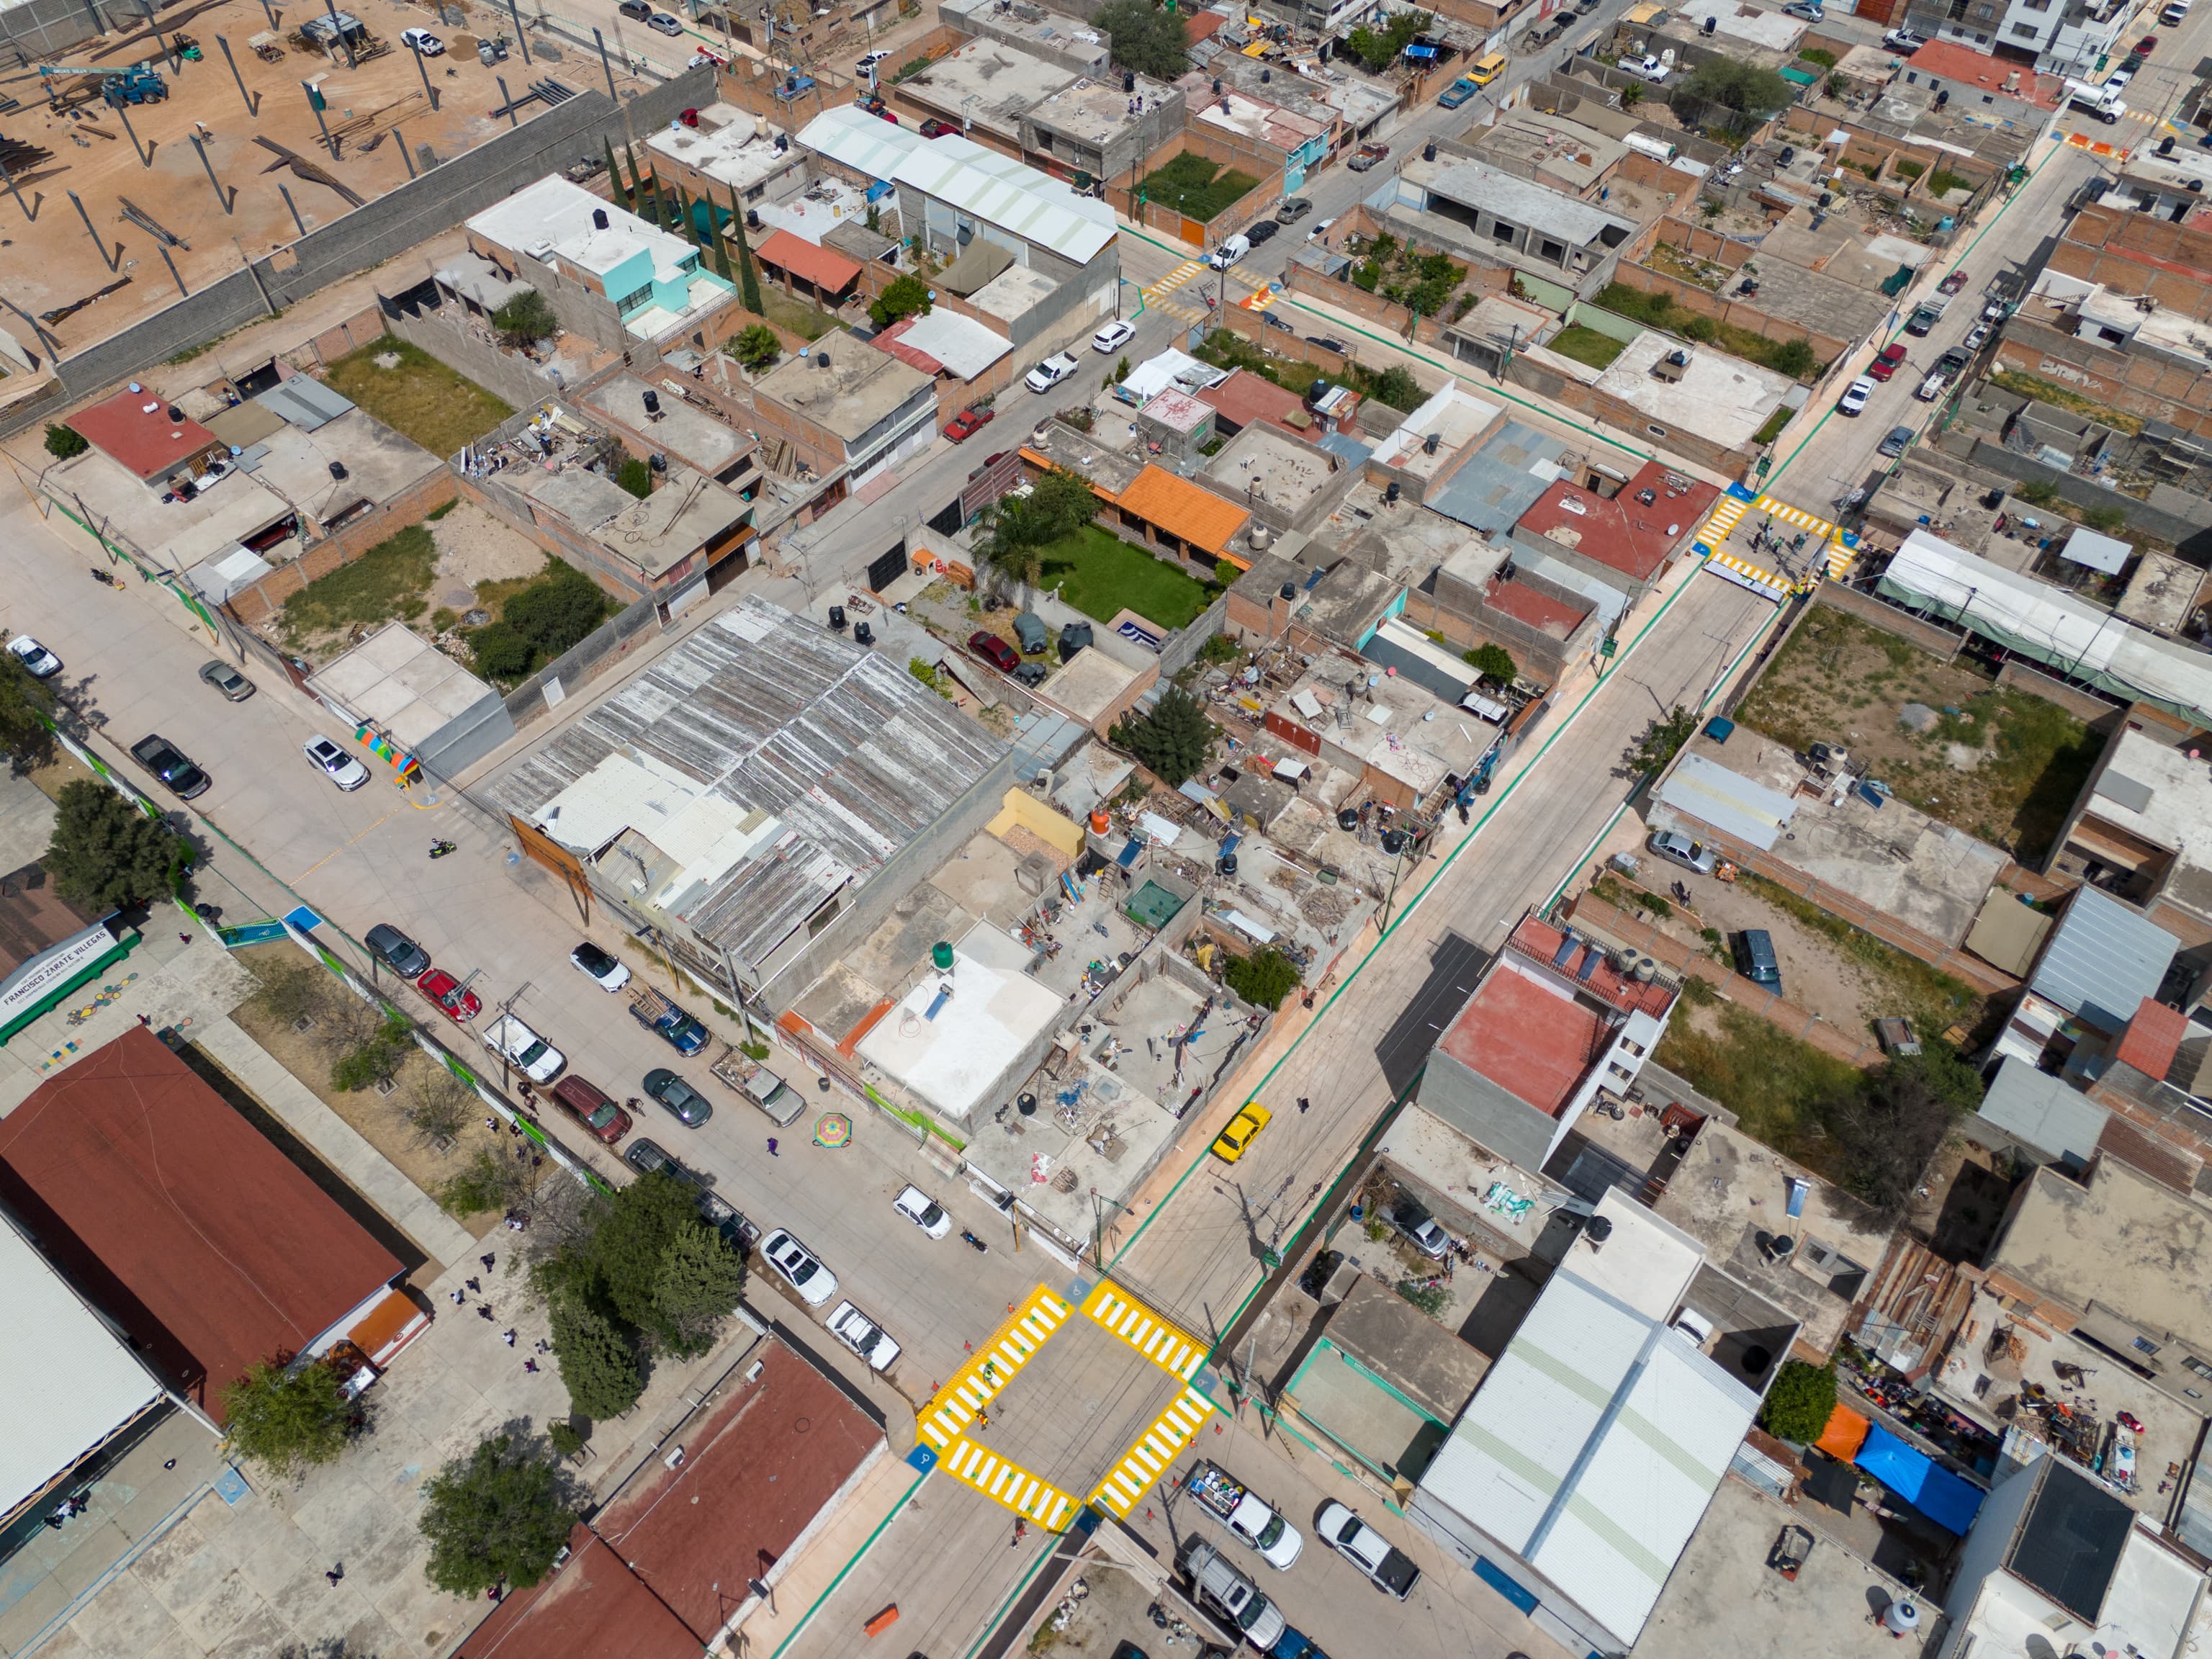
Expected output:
(863, 634)
(1348, 817)
(1429, 150)
(1429, 444)
(1128, 81)
(651, 401)
(837, 618)
(1390, 494)
(337, 469)
(1226, 864)
(1265, 76)
(1216, 86)
(1290, 590)
(598, 218)
(1394, 842)
(1026, 1105)
(752, 218)
(656, 462)
(2166, 146)
(1597, 1229)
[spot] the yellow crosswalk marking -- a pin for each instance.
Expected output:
(1175, 278)
(1166, 1344)
(1008, 1484)
(993, 1364)
(1155, 1450)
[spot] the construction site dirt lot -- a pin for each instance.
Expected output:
(53, 262)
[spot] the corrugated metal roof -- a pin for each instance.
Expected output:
(1731, 802)
(964, 345)
(2104, 959)
(1493, 487)
(304, 402)
(995, 188)
(1593, 1447)
(775, 714)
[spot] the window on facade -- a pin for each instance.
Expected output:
(821, 918)
(2023, 31)
(688, 263)
(2143, 1345)
(631, 301)
(1619, 1071)
(2191, 1362)
(1552, 250)
(1657, 431)
(756, 192)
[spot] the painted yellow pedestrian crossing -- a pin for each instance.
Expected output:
(1157, 1448)
(1715, 529)
(993, 1366)
(1175, 279)
(1796, 517)
(1777, 587)
(1167, 1346)
(1008, 1484)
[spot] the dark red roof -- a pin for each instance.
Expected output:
(830, 272)
(172, 1212)
(1540, 610)
(2152, 1038)
(893, 340)
(133, 429)
(1245, 397)
(759, 1465)
(1526, 1037)
(1625, 533)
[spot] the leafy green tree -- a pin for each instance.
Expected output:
(501, 653)
(288, 1420)
(64, 441)
(556, 613)
(1889, 1123)
(566, 1438)
(2106, 519)
(1262, 979)
(107, 854)
(1660, 741)
(1380, 48)
(1396, 386)
(1145, 37)
(635, 476)
(748, 284)
(499, 1515)
(1019, 527)
(757, 347)
(696, 1288)
(1172, 740)
(27, 712)
(1794, 358)
(1799, 1402)
(524, 319)
(1746, 92)
(902, 296)
(627, 1245)
(1492, 662)
(376, 1060)
(599, 1365)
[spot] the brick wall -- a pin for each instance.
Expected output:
(252, 604)
(1737, 314)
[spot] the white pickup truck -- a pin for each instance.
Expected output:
(2101, 102)
(1250, 1519)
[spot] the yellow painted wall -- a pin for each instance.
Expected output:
(1024, 811)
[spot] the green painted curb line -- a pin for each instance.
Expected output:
(858, 1555)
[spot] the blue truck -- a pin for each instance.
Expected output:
(1294, 1645)
(656, 1012)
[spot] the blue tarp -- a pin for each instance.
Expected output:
(1944, 1498)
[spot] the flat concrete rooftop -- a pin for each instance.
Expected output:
(1262, 467)
(689, 435)
(987, 83)
(379, 464)
(1724, 400)
(843, 384)
(174, 534)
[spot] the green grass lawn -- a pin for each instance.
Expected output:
(417, 397)
(1100, 575)
(1586, 345)
(387, 581)
(1771, 1081)
(1197, 188)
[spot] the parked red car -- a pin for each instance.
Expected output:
(994, 651)
(934, 128)
(2147, 45)
(1892, 360)
(453, 1001)
(967, 422)
(1953, 282)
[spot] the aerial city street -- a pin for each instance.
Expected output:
(1075, 827)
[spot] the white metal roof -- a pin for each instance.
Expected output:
(552, 218)
(2041, 621)
(1593, 1447)
(1744, 807)
(68, 1380)
(995, 188)
(961, 344)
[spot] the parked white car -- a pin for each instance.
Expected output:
(1049, 373)
(801, 1269)
(1113, 336)
(863, 1336)
(923, 1210)
(1854, 396)
(41, 663)
(336, 764)
(423, 42)
(530, 1054)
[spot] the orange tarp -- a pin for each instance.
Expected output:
(1845, 1433)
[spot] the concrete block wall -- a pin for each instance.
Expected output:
(254, 604)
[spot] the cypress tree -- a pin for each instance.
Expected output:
(622, 193)
(748, 284)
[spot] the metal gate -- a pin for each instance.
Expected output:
(949, 520)
(887, 566)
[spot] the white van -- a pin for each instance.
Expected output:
(1230, 252)
(2175, 11)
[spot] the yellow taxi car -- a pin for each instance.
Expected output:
(1236, 1139)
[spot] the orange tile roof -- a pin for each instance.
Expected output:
(1183, 510)
(830, 272)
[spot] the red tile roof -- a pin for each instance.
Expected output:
(174, 1213)
(1525, 1036)
(1625, 533)
(1244, 397)
(831, 273)
(2152, 1038)
(1946, 60)
(1540, 610)
(759, 1465)
(133, 429)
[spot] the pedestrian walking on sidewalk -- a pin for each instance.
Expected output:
(772, 1151)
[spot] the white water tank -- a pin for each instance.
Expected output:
(1901, 1617)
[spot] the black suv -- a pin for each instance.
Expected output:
(396, 950)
